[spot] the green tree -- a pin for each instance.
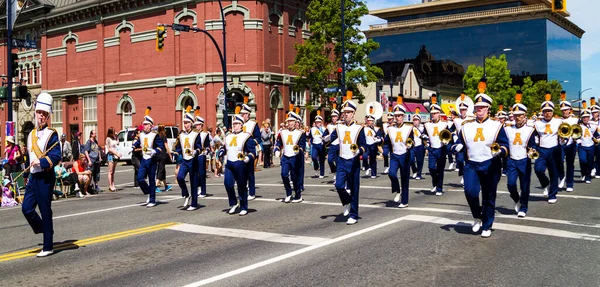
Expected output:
(534, 94)
(318, 58)
(499, 82)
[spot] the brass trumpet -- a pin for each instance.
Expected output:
(145, 149)
(495, 148)
(188, 152)
(565, 130)
(576, 131)
(296, 149)
(445, 136)
(241, 156)
(533, 154)
(353, 147)
(409, 142)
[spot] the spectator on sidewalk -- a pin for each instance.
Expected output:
(92, 154)
(84, 175)
(12, 155)
(8, 198)
(76, 148)
(65, 147)
(266, 134)
(68, 178)
(112, 156)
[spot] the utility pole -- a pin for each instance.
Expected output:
(9, 71)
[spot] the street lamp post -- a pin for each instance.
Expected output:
(484, 58)
(343, 80)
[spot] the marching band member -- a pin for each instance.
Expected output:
(463, 107)
(595, 108)
(290, 146)
(549, 151)
(251, 127)
(511, 118)
(569, 148)
(239, 151)
(44, 154)
(522, 146)
(531, 121)
(418, 150)
(352, 146)
(450, 127)
(333, 150)
(317, 148)
(437, 148)
(484, 142)
(385, 149)
(151, 146)
(589, 138)
(399, 140)
(188, 145)
(373, 136)
(204, 138)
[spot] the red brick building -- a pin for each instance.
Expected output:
(98, 60)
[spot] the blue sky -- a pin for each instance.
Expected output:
(583, 13)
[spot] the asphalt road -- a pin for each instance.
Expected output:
(110, 240)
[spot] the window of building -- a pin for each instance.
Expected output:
(34, 73)
(56, 120)
(127, 115)
(90, 119)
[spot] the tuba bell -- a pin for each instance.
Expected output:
(353, 147)
(577, 132)
(533, 154)
(565, 130)
(374, 109)
(445, 136)
(240, 156)
(495, 148)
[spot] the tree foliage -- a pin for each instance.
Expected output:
(500, 88)
(318, 58)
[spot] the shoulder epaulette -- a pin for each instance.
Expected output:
(466, 121)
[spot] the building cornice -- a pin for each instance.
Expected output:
(194, 79)
(473, 19)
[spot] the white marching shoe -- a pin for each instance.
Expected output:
(593, 172)
(368, 172)
(451, 166)
(433, 189)
(545, 192)
(297, 200)
(386, 171)
(476, 226)
(192, 208)
(243, 212)
(569, 189)
(45, 253)
(251, 197)
(186, 201)
(201, 195)
(233, 209)
(151, 204)
(462, 180)
(287, 199)
(486, 233)
(402, 205)
(517, 207)
(439, 193)
(521, 214)
(321, 176)
(414, 175)
(552, 201)
(373, 177)
(397, 197)
(346, 210)
(561, 184)
(351, 221)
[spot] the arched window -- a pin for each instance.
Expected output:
(127, 115)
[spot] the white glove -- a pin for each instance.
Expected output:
(424, 137)
(495, 154)
(458, 147)
(246, 159)
(194, 153)
(277, 153)
(377, 140)
(152, 152)
(408, 146)
(327, 138)
(563, 141)
(579, 141)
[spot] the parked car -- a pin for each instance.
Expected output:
(126, 137)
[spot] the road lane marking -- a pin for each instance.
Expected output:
(249, 234)
(508, 227)
(88, 241)
(162, 198)
(292, 254)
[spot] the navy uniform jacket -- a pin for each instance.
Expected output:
(301, 143)
(157, 145)
(360, 141)
(53, 156)
(482, 153)
(197, 144)
(249, 150)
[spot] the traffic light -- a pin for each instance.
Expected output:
(3, 93)
(160, 38)
(22, 93)
(559, 5)
(15, 64)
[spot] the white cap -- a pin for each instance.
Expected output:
(44, 103)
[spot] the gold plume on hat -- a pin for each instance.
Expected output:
(148, 109)
(500, 107)
(417, 110)
(592, 101)
(399, 100)
(188, 109)
(348, 95)
(462, 96)
(482, 85)
(297, 110)
(319, 113)
(518, 97)
(584, 104)
(238, 108)
(563, 96)
(334, 105)
(246, 99)
(433, 99)
(197, 111)
(548, 96)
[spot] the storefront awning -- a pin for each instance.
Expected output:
(411, 107)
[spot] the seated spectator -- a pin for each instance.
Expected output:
(7, 194)
(84, 175)
(60, 171)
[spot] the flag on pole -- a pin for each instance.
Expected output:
(16, 6)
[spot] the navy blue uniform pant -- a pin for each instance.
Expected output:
(291, 171)
(437, 163)
(460, 163)
(38, 192)
(586, 161)
(549, 159)
(148, 169)
(189, 167)
(482, 177)
(386, 156)
(201, 174)
(348, 174)
(251, 179)
(371, 155)
(318, 157)
(418, 158)
(519, 170)
(237, 173)
(401, 162)
(332, 155)
(597, 156)
(567, 158)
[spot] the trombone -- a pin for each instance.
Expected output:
(445, 137)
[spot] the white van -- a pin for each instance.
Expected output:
(126, 137)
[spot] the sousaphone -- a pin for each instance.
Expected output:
(374, 109)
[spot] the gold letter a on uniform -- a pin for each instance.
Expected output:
(347, 139)
(398, 137)
(233, 141)
(479, 135)
(518, 140)
(289, 140)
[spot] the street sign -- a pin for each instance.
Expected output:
(331, 90)
(180, 27)
(27, 44)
